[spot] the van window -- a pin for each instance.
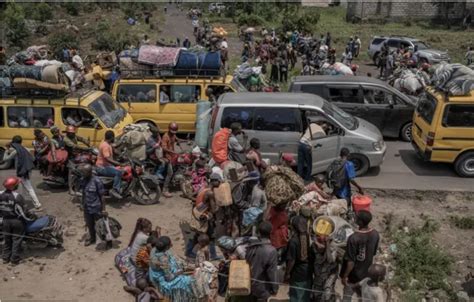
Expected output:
(77, 117)
(344, 95)
(137, 93)
(377, 41)
(459, 116)
(426, 107)
(276, 119)
(376, 96)
(181, 93)
(2, 121)
(108, 110)
(218, 90)
(30, 117)
(314, 89)
(240, 115)
(393, 43)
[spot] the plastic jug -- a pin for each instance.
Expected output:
(223, 195)
(203, 117)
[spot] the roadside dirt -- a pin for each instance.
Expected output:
(88, 274)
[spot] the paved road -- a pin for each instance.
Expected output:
(402, 169)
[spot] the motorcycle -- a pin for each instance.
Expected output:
(60, 172)
(137, 183)
(43, 231)
(182, 172)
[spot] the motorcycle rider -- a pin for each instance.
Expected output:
(12, 209)
(106, 165)
(154, 152)
(24, 164)
(57, 155)
(41, 147)
(168, 143)
(71, 141)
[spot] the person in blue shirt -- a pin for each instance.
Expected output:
(345, 192)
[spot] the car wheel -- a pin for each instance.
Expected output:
(361, 163)
(405, 132)
(6, 164)
(376, 59)
(464, 165)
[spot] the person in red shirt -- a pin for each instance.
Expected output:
(278, 217)
(168, 144)
(106, 165)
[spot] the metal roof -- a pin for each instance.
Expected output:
(273, 98)
(338, 79)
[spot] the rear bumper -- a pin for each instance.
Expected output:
(424, 155)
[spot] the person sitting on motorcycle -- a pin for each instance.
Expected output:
(41, 146)
(106, 165)
(56, 145)
(71, 142)
(12, 211)
(168, 143)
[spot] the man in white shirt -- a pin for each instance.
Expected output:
(305, 148)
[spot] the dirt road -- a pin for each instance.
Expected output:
(85, 274)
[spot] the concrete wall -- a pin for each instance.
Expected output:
(396, 10)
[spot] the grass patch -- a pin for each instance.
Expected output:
(464, 223)
(420, 264)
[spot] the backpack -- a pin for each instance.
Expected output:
(220, 145)
(336, 174)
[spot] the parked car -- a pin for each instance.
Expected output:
(216, 7)
(279, 119)
(443, 130)
(367, 98)
(425, 53)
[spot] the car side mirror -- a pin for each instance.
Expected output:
(96, 124)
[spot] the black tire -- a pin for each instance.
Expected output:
(154, 192)
(464, 165)
(74, 184)
(7, 164)
(361, 163)
(405, 132)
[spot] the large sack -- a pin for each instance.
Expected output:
(130, 68)
(134, 139)
(282, 185)
(24, 71)
(457, 79)
(219, 145)
(158, 56)
(50, 74)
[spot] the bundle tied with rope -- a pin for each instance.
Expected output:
(282, 185)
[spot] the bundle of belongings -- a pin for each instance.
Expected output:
(409, 81)
(250, 76)
(133, 141)
(282, 185)
(457, 79)
(108, 228)
(335, 69)
(42, 74)
(151, 60)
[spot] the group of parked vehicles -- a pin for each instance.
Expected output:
(359, 112)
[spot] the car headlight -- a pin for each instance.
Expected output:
(378, 146)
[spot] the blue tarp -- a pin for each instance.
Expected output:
(198, 63)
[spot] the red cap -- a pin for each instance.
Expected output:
(11, 183)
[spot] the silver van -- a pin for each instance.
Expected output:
(278, 120)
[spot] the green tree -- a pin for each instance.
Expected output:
(14, 18)
(62, 39)
(72, 8)
(42, 11)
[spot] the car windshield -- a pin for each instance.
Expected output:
(108, 110)
(421, 45)
(342, 117)
(426, 107)
(238, 87)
